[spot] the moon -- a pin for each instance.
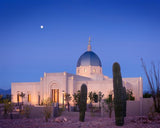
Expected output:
(41, 26)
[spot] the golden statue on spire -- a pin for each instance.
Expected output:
(89, 44)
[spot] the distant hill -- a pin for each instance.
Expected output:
(5, 92)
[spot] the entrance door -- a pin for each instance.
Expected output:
(55, 95)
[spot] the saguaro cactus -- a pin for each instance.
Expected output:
(118, 95)
(124, 101)
(83, 102)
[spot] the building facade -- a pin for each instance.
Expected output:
(55, 85)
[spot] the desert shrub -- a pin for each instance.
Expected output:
(60, 111)
(47, 109)
(152, 114)
(27, 110)
(8, 108)
(109, 101)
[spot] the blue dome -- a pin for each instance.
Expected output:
(89, 58)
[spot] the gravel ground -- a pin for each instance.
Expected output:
(72, 122)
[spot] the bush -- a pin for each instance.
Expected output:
(27, 110)
(47, 109)
(8, 108)
(147, 95)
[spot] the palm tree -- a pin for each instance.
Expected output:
(22, 95)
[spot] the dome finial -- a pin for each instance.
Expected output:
(89, 44)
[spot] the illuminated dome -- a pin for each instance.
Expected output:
(89, 58)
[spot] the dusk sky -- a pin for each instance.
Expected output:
(120, 30)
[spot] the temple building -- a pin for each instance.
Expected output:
(55, 85)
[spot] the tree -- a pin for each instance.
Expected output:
(100, 96)
(22, 95)
(95, 97)
(147, 95)
(153, 77)
(129, 94)
(91, 97)
(109, 102)
(68, 99)
(8, 97)
(76, 99)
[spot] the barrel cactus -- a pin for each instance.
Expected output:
(83, 102)
(118, 95)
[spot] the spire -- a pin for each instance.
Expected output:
(89, 44)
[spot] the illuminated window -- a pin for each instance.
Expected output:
(29, 97)
(85, 70)
(94, 70)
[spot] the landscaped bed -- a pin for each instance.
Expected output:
(91, 121)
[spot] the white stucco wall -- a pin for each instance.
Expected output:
(70, 83)
(31, 88)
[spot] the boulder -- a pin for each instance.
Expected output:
(60, 119)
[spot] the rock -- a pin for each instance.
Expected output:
(60, 119)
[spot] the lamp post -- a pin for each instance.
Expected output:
(63, 97)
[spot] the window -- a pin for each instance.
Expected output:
(94, 70)
(29, 97)
(85, 70)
